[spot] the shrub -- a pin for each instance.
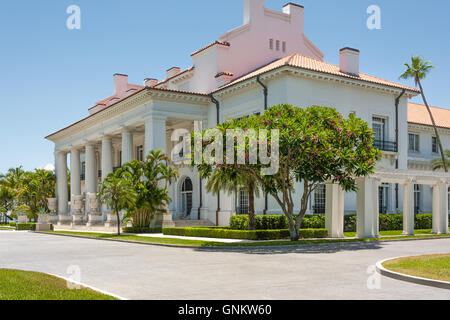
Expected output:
(141, 230)
(388, 222)
(243, 234)
(25, 226)
(12, 224)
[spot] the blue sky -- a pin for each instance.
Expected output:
(50, 75)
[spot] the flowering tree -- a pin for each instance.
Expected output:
(315, 145)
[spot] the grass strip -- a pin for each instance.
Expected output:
(436, 267)
(28, 285)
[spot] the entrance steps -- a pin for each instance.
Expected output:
(193, 223)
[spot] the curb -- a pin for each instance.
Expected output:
(407, 278)
(89, 287)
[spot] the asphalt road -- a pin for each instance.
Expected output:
(134, 271)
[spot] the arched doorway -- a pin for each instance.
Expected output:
(186, 197)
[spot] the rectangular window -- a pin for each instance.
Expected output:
(434, 145)
(413, 142)
(278, 45)
(140, 153)
(319, 199)
(284, 46)
(383, 197)
(271, 44)
(416, 198)
(83, 171)
(379, 127)
(120, 158)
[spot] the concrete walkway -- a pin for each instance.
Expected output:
(326, 271)
(160, 235)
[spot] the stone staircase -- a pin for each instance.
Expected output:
(193, 223)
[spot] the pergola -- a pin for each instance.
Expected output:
(367, 202)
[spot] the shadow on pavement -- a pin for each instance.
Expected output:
(306, 248)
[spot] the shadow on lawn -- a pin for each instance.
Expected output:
(300, 248)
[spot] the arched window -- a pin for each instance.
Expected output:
(186, 197)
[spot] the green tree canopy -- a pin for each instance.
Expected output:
(316, 145)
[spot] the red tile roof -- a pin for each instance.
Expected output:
(222, 43)
(418, 114)
(307, 63)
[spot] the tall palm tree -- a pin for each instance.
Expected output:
(231, 181)
(436, 164)
(418, 70)
(118, 194)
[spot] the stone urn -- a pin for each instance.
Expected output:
(78, 215)
(94, 216)
(52, 204)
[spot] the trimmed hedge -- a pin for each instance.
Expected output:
(141, 230)
(227, 233)
(388, 222)
(25, 226)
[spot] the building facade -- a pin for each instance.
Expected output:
(266, 61)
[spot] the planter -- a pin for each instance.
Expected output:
(22, 219)
(43, 218)
(111, 220)
(52, 204)
(93, 203)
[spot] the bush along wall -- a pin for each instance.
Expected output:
(226, 233)
(141, 230)
(388, 222)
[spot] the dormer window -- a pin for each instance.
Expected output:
(271, 44)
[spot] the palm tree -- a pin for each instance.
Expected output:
(118, 193)
(436, 164)
(418, 70)
(231, 181)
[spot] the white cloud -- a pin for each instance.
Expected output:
(49, 167)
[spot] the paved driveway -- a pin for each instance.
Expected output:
(335, 271)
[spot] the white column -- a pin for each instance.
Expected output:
(376, 208)
(155, 134)
(334, 210)
(107, 160)
(408, 208)
(75, 180)
(364, 207)
(61, 181)
(91, 170)
(127, 147)
(440, 208)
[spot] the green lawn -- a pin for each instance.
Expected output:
(7, 228)
(26, 285)
(205, 243)
(175, 241)
(436, 267)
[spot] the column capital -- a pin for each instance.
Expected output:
(154, 116)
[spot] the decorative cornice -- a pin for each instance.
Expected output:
(139, 98)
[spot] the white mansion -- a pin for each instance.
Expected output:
(266, 61)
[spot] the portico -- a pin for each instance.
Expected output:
(152, 116)
(367, 223)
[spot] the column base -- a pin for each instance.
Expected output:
(111, 220)
(95, 219)
(64, 219)
(77, 219)
(43, 227)
(167, 220)
(53, 218)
